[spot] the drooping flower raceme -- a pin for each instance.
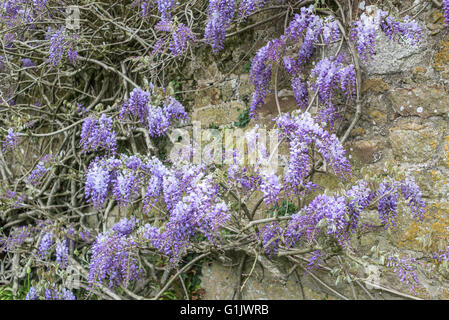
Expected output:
(408, 29)
(97, 134)
(179, 35)
(98, 179)
(46, 243)
(11, 140)
(247, 7)
(156, 118)
(412, 193)
(62, 253)
(405, 269)
(446, 11)
(60, 45)
(301, 131)
(220, 14)
(388, 203)
(364, 31)
(270, 235)
(114, 257)
(261, 68)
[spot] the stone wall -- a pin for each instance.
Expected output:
(404, 122)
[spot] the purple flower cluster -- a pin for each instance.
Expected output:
(98, 179)
(364, 31)
(247, 7)
(301, 131)
(446, 11)
(156, 118)
(220, 13)
(190, 197)
(300, 92)
(388, 203)
(364, 35)
(358, 198)
(16, 238)
(114, 257)
(260, 72)
(270, 187)
(328, 212)
(32, 294)
(270, 235)
(412, 193)
(62, 253)
(165, 7)
(198, 210)
(405, 270)
(125, 226)
(408, 29)
(11, 140)
(39, 171)
(97, 134)
(53, 294)
(61, 44)
(308, 27)
(160, 118)
(28, 63)
(145, 7)
(304, 26)
(179, 37)
(330, 74)
(314, 260)
(136, 105)
(46, 243)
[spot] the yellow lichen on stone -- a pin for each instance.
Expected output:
(441, 58)
(374, 85)
(432, 234)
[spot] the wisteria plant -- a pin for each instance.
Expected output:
(94, 102)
